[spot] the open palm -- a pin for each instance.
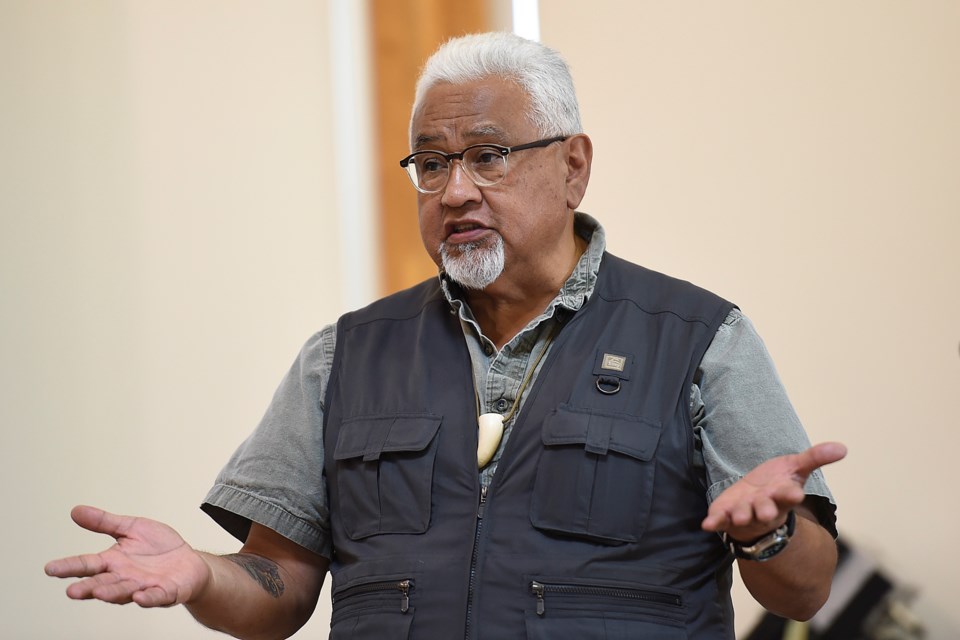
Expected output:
(150, 564)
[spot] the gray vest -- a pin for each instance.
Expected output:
(591, 527)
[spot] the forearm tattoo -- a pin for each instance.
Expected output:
(265, 572)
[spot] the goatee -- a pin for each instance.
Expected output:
(473, 265)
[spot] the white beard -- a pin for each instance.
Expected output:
(473, 265)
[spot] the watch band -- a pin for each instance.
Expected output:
(766, 546)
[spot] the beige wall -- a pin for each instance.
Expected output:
(803, 160)
(169, 237)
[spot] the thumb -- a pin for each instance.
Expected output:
(819, 455)
(100, 521)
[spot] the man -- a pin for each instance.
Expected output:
(620, 430)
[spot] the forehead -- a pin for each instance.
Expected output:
(456, 115)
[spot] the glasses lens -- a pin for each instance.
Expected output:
(486, 165)
(428, 170)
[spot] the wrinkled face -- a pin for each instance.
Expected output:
(528, 211)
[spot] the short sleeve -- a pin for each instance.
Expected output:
(275, 478)
(742, 415)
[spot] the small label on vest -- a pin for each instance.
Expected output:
(614, 362)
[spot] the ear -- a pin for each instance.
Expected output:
(579, 159)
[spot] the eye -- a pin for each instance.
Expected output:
(487, 157)
(431, 164)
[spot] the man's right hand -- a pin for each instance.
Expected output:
(150, 564)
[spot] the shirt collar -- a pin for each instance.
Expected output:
(580, 285)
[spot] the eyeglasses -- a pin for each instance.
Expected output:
(485, 164)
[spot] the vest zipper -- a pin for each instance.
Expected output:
(403, 586)
(540, 589)
(473, 559)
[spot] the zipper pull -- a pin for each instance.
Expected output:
(404, 587)
(538, 590)
(483, 501)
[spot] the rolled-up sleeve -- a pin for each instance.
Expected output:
(742, 415)
(275, 478)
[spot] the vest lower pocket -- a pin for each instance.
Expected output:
(382, 626)
(597, 626)
(373, 610)
(384, 469)
(603, 611)
(596, 474)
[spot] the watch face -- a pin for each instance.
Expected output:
(769, 548)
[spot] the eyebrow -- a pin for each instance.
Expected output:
(423, 140)
(487, 133)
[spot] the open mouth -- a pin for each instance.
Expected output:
(466, 233)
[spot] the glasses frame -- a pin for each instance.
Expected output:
(450, 157)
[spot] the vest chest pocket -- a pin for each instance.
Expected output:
(384, 471)
(596, 474)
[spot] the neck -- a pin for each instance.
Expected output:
(505, 307)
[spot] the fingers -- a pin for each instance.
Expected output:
(90, 564)
(105, 586)
(741, 514)
(116, 591)
(760, 500)
(154, 597)
(765, 511)
(746, 514)
(83, 566)
(110, 588)
(762, 511)
(715, 521)
(744, 505)
(819, 455)
(787, 494)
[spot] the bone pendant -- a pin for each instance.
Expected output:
(490, 431)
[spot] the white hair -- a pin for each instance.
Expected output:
(539, 70)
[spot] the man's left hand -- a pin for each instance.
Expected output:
(760, 501)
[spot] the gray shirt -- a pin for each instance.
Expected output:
(740, 410)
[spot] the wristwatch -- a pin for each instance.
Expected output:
(764, 547)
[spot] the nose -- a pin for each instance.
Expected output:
(460, 189)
